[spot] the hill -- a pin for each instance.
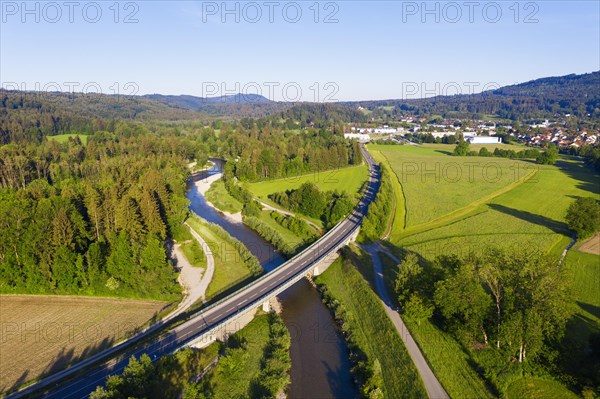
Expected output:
(578, 95)
(26, 114)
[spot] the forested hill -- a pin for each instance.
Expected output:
(321, 114)
(31, 115)
(578, 95)
(234, 106)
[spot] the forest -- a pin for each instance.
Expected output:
(577, 95)
(96, 212)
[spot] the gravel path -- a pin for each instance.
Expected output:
(192, 278)
(435, 390)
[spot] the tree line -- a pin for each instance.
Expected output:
(514, 304)
(329, 206)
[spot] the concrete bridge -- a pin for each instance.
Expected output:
(213, 322)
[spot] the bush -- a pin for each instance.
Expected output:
(379, 213)
(583, 217)
(549, 156)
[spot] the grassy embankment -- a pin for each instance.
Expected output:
(507, 213)
(231, 266)
(39, 337)
(364, 319)
(221, 199)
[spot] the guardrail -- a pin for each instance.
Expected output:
(274, 292)
(191, 318)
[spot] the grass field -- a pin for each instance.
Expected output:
(537, 388)
(522, 214)
(221, 199)
(515, 214)
(585, 271)
(230, 269)
(63, 138)
(43, 334)
(435, 185)
(349, 180)
(287, 235)
(372, 330)
(448, 360)
(194, 253)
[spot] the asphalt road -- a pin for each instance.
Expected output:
(58, 387)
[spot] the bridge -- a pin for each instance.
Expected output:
(79, 380)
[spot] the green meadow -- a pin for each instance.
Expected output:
(525, 208)
(230, 268)
(349, 180)
(221, 199)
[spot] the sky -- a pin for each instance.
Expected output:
(294, 51)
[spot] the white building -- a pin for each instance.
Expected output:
(483, 140)
(358, 136)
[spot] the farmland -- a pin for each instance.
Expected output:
(465, 217)
(43, 334)
(510, 213)
(435, 185)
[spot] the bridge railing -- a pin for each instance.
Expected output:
(277, 290)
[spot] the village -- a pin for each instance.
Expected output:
(538, 134)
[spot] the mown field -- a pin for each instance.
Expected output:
(230, 268)
(516, 214)
(221, 199)
(435, 184)
(458, 217)
(372, 330)
(537, 388)
(44, 334)
(349, 180)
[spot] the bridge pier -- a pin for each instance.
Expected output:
(266, 306)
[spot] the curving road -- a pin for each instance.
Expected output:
(82, 384)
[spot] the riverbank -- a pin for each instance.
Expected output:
(203, 185)
(383, 367)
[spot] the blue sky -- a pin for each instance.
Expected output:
(366, 50)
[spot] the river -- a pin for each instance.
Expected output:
(320, 365)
